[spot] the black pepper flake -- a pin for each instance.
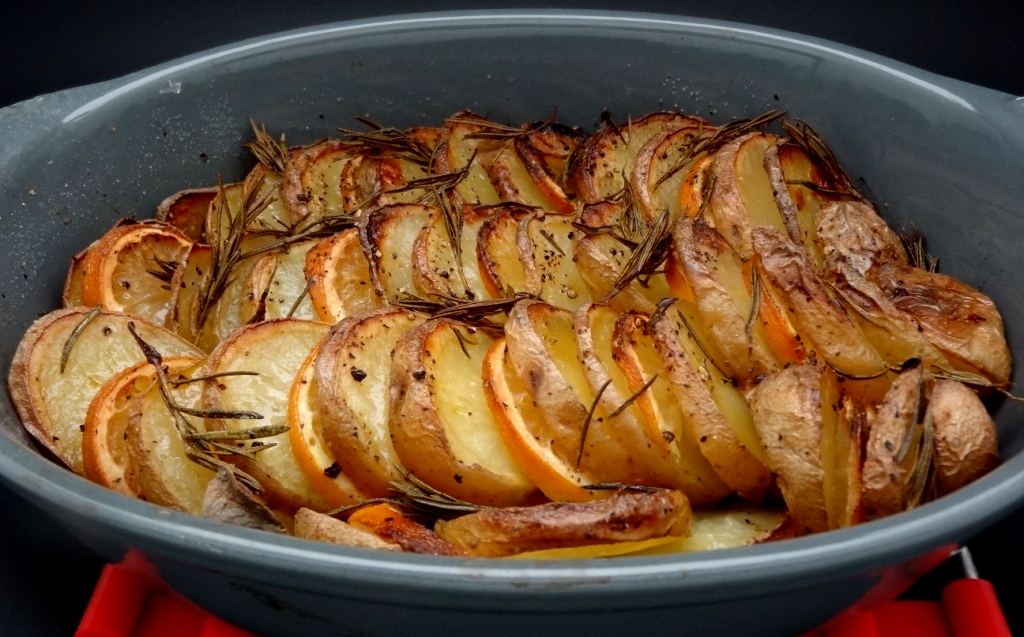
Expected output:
(458, 478)
(332, 471)
(358, 375)
(419, 374)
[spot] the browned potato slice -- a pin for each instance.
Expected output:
(542, 349)
(956, 318)
(714, 412)
(130, 267)
(966, 441)
(842, 437)
(662, 164)
(104, 436)
(228, 306)
(605, 160)
(257, 197)
(741, 195)
(521, 425)
(353, 372)
(52, 397)
(228, 500)
(311, 184)
(278, 287)
(339, 277)
(305, 431)
(319, 527)
(601, 256)
(634, 352)
(274, 350)
(187, 210)
(545, 249)
(441, 426)
(387, 235)
(459, 149)
(626, 516)
(898, 451)
(514, 182)
(695, 189)
(497, 252)
(852, 232)
(720, 285)
(742, 525)
(438, 271)
(822, 322)
(388, 523)
(790, 408)
(545, 151)
(159, 466)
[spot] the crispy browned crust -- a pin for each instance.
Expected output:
(626, 516)
(966, 441)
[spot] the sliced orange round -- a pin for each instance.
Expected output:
(104, 437)
(130, 269)
(339, 275)
(311, 452)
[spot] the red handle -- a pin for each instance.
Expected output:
(973, 609)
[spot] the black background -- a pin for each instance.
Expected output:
(45, 576)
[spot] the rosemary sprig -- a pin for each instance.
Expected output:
(755, 299)
(629, 401)
(391, 142)
(272, 154)
(647, 256)
(585, 429)
(204, 452)
(913, 242)
(805, 137)
(419, 495)
(69, 343)
(467, 311)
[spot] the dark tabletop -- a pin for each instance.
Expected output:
(45, 575)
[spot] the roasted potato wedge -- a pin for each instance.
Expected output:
(338, 275)
(319, 527)
(625, 516)
(387, 235)
(966, 441)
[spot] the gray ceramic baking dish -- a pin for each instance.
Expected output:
(945, 155)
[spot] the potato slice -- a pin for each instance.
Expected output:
(618, 440)
(51, 398)
(898, 450)
(387, 235)
(822, 322)
(257, 196)
(545, 249)
(441, 426)
(514, 182)
(959, 320)
(187, 210)
(390, 524)
(634, 352)
(274, 350)
(311, 184)
(605, 161)
(545, 151)
(129, 269)
(104, 437)
(159, 466)
(461, 149)
(339, 277)
(843, 431)
(305, 433)
(625, 516)
(790, 408)
(741, 192)
(278, 287)
(720, 285)
(353, 374)
(601, 256)
(228, 500)
(714, 412)
(966, 440)
(438, 271)
(316, 526)
(520, 424)
(662, 164)
(732, 527)
(497, 252)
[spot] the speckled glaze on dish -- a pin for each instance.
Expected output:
(945, 155)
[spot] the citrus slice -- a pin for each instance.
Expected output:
(130, 269)
(104, 438)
